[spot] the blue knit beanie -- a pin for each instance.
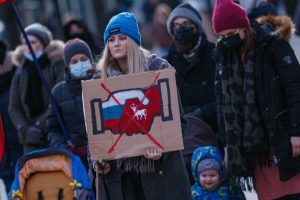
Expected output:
(123, 23)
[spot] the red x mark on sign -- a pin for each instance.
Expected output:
(111, 149)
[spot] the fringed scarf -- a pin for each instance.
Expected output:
(247, 141)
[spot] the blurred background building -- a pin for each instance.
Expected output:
(95, 14)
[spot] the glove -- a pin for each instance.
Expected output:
(33, 136)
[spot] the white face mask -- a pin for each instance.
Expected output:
(38, 54)
(80, 68)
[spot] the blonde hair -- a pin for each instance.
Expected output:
(136, 58)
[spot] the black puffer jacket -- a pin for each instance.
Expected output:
(69, 99)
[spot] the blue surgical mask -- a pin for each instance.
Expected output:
(38, 54)
(80, 68)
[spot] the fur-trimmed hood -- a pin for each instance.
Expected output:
(284, 26)
(54, 51)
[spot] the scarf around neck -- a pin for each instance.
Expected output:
(246, 138)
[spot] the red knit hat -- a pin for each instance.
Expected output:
(229, 15)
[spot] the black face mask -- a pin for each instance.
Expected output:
(185, 34)
(233, 42)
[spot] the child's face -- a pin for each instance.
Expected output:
(209, 178)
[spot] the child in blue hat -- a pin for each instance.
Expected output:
(209, 174)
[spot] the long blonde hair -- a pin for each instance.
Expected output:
(136, 58)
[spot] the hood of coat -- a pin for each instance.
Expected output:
(207, 152)
(55, 51)
(283, 26)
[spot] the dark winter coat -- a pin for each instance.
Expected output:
(168, 181)
(69, 99)
(195, 80)
(19, 111)
(277, 79)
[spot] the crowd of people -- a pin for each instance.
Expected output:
(239, 102)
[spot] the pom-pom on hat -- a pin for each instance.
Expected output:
(123, 23)
(229, 15)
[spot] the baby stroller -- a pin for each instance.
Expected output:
(50, 174)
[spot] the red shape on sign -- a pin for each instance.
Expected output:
(142, 115)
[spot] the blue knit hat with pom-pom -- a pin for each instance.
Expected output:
(123, 23)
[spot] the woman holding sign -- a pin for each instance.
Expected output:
(155, 175)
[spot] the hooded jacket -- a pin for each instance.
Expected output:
(198, 192)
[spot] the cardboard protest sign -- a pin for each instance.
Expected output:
(126, 115)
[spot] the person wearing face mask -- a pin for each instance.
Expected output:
(28, 98)
(191, 56)
(79, 66)
(258, 98)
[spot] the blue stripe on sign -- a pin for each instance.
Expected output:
(112, 112)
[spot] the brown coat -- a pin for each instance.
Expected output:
(18, 110)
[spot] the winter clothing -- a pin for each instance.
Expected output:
(41, 32)
(23, 112)
(263, 9)
(222, 191)
(84, 34)
(194, 77)
(159, 184)
(197, 134)
(208, 164)
(229, 15)
(68, 95)
(76, 46)
(123, 23)
(276, 72)
(184, 10)
(12, 147)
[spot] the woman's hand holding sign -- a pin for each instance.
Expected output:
(153, 154)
